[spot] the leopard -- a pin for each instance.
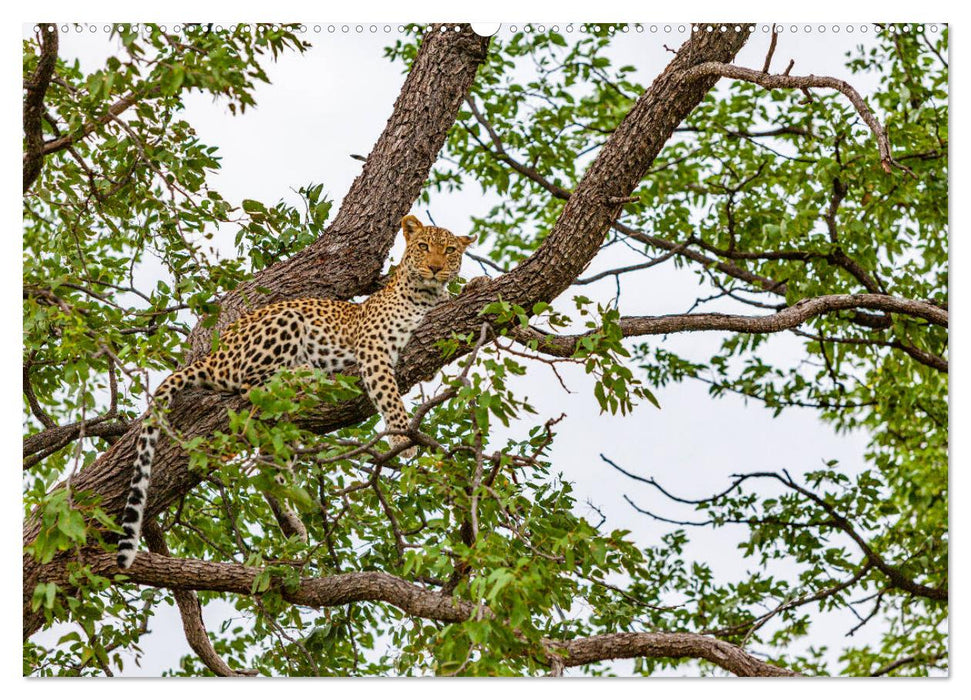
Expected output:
(315, 333)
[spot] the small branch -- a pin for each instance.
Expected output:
(891, 572)
(89, 128)
(751, 627)
(35, 407)
(873, 559)
(873, 613)
(768, 56)
(499, 153)
(631, 268)
(764, 283)
(483, 261)
(924, 357)
(906, 661)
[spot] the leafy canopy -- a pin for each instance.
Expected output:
(117, 267)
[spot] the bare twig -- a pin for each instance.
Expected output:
(768, 56)
(632, 268)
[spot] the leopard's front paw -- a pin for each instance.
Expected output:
(409, 453)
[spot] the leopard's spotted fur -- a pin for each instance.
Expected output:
(321, 333)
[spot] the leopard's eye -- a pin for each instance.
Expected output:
(450, 250)
(423, 246)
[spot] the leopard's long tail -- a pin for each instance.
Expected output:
(195, 375)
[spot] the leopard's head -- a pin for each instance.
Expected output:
(432, 254)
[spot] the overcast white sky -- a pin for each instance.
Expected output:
(334, 100)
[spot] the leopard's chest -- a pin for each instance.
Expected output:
(400, 325)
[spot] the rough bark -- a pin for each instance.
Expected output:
(368, 229)
(40, 445)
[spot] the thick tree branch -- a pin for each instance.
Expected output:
(34, 104)
(41, 445)
(655, 645)
(158, 570)
(791, 317)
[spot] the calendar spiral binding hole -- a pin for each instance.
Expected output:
(510, 29)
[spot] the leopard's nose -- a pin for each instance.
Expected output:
(435, 269)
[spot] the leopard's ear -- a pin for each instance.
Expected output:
(465, 241)
(410, 225)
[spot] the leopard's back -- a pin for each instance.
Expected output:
(308, 332)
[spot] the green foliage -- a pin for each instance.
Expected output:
(134, 196)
